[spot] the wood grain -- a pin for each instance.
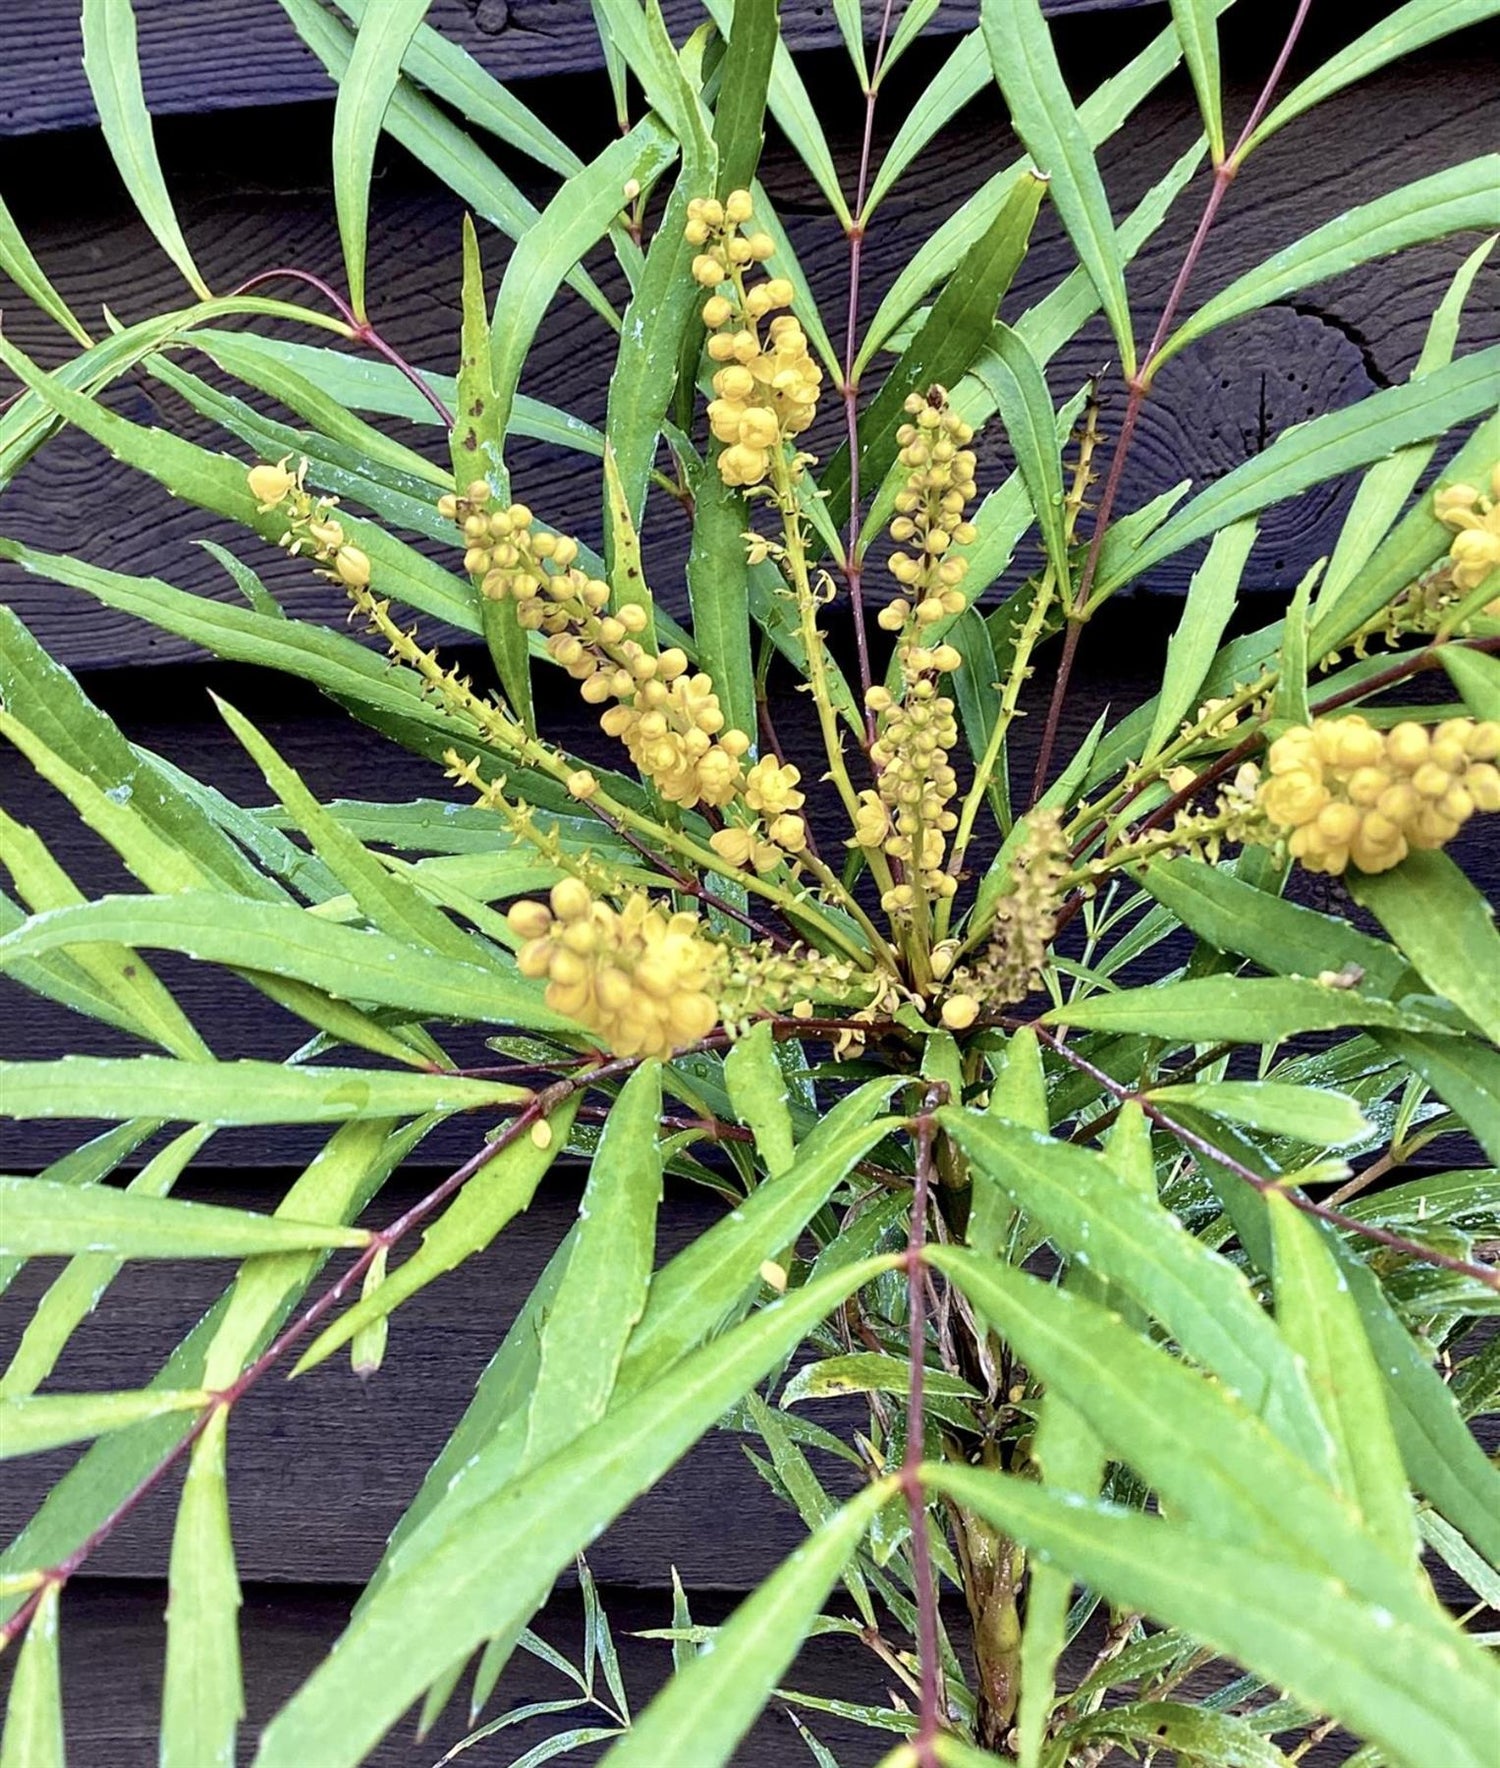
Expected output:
(1216, 406)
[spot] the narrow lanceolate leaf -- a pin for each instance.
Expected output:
(278, 939)
(1319, 1318)
(622, 551)
(112, 64)
(77, 1289)
(758, 1092)
(365, 92)
(1236, 1009)
(40, 1422)
(498, 1564)
(34, 1713)
(1465, 1075)
(1194, 1734)
(1120, 1233)
(1312, 453)
(1314, 1115)
(203, 1698)
(958, 328)
(1463, 197)
(1041, 108)
(718, 579)
(1197, 30)
(1414, 1685)
(87, 1165)
(1214, 1464)
(1477, 678)
(500, 1190)
(707, 1707)
(39, 1219)
(22, 268)
(1191, 649)
(226, 1093)
(1398, 34)
(1447, 929)
(1011, 369)
(745, 74)
(603, 1289)
(694, 1293)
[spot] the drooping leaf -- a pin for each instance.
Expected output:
(1025, 407)
(21, 267)
(1041, 110)
(1465, 1075)
(203, 1697)
(38, 1218)
(1307, 1114)
(38, 1422)
(1191, 649)
(112, 64)
(1237, 1009)
(364, 93)
(1444, 926)
(33, 1735)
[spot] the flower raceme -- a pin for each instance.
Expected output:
(766, 389)
(1475, 551)
(1343, 792)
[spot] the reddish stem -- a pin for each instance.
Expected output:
(924, 1579)
(1140, 386)
(1202, 1146)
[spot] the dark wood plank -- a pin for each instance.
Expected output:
(203, 55)
(1216, 406)
(322, 1468)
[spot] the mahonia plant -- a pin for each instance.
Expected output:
(1059, 1097)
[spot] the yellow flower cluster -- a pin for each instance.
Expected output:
(1342, 791)
(766, 390)
(311, 525)
(770, 791)
(644, 980)
(908, 815)
(930, 514)
(1475, 551)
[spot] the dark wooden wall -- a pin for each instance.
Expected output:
(322, 1469)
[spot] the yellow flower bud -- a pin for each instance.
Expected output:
(960, 1012)
(271, 485)
(352, 566)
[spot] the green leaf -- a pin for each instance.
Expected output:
(602, 1293)
(1195, 22)
(718, 579)
(958, 327)
(1191, 649)
(1415, 1686)
(111, 62)
(21, 267)
(868, 1372)
(77, 1289)
(1042, 113)
(1279, 936)
(364, 94)
(1398, 34)
(1384, 489)
(87, 1165)
(1014, 375)
(38, 1422)
(744, 77)
(1307, 1114)
(42, 1219)
(622, 550)
(758, 1092)
(573, 221)
(367, 1347)
(387, 899)
(1477, 678)
(1446, 928)
(1196, 1735)
(203, 1698)
(1320, 1320)
(710, 1704)
(34, 1713)
(1215, 1463)
(696, 1291)
(1112, 1228)
(1454, 201)
(278, 939)
(226, 1093)
(500, 1561)
(1464, 1074)
(488, 1201)
(1235, 1009)
(1309, 454)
